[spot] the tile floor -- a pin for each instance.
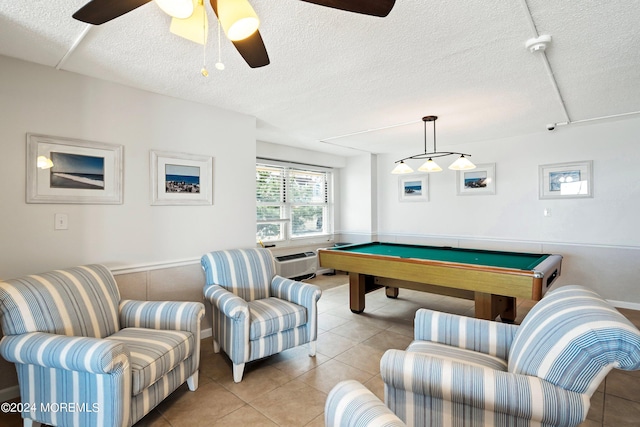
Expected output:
(290, 389)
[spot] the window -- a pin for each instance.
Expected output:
(293, 202)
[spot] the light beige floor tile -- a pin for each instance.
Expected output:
(293, 404)
(296, 361)
(356, 331)
(386, 340)
(621, 384)
(256, 382)
(620, 412)
(208, 403)
(327, 375)
(245, 416)
(362, 357)
(331, 344)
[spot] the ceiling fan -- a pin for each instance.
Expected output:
(250, 44)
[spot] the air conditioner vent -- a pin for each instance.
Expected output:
(298, 265)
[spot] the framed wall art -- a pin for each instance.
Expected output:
(566, 180)
(181, 179)
(66, 170)
(481, 180)
(414, 188)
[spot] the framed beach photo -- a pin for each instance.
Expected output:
(181, 179)
(414, 188)
(478, 181)
(66, 170)
(566, 180)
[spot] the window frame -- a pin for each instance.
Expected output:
(287, 205)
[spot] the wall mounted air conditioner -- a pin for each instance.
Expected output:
(297, 266)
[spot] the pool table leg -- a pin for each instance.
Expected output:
(489, 306)
(357, 284)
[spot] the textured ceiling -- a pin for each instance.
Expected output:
(339, 79)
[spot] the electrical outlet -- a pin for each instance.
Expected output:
(61, 221)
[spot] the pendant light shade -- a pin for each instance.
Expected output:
(401, 168)
(180, 9)
(462, 164)
(430, 166)
(238, 19)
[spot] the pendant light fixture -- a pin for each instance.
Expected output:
(462, 163)
(180, 9)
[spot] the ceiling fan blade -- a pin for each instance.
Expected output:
(98, 12)
(194, 28)
(367, 7)
(252, 49)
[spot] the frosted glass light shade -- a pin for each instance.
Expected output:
(194, 28)
(462, 164)
(401, 168)
(238, 19)
(430, 166)
(181, 9)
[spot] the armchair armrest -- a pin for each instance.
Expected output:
(228, 303)
(521, 396)
(350, 404)
(304, 294)
(464, 332)
(82, 354)
(167, 315)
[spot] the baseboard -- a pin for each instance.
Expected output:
(206, 333)
(9, 393)
(625, 304)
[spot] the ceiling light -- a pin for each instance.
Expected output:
(181, 9)
(430, 166)
(238, 19)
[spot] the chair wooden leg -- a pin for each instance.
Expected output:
(28, 422)
(312, 348)
(216, 346)
(238, 370)
(192, 381)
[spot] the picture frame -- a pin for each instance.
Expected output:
(414, 188)
(573, 180)
(478, 181)
(73, 171)
(181, 178)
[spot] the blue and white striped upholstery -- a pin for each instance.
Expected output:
(351, 404)
(470, 372)
(572, 339)
(73, 341)
(255, 312)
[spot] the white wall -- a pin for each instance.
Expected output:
(42, 100)
(358, 199)
(599, 237)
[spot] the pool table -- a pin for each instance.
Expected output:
(493, 279)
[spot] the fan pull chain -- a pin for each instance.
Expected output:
(219, 64)
(204, 70)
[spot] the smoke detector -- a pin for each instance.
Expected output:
(538, 44)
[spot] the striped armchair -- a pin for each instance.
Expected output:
(86, 358)
(470, 372)
(255, 312)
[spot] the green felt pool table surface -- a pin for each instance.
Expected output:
(512, 260)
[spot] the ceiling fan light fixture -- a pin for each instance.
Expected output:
(462, 164)
(181, 9)
(238, 19)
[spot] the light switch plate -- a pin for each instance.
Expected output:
(61, 221)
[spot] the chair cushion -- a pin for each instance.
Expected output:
(456, 354)
(572, 338)
(153, 353)
(273, 315)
